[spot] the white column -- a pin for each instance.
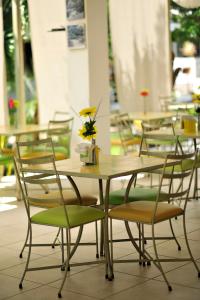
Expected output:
(49, 56)
(71, 77)
(140, 39)
(3, 94)
(88, 73)
(19, 61)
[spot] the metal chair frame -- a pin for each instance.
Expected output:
(144, 255)
(26, 178)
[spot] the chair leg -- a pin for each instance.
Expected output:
(25, 243)
(158, 264)
(28, 257)
(68, 241)
(188, 246)
(101, 239)
(62, 248)
(56, 238)
(172, 230)
(97, 239)
(132, 240)
(111, 248)
(108, 254)
(77, 242)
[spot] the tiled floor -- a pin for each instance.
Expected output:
(87, 282)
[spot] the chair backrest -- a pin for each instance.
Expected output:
(30, 180)
(151, 126)
(60, 131)
(180, 181)
(61, 115)
(159, 145)
(124, 126)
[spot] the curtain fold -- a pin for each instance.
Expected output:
(141, 51)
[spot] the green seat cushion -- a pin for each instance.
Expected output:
(135, 194)
(78, 215)
(187, 164)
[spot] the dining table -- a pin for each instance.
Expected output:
(147, 116)
(23, 130)
(108, 168)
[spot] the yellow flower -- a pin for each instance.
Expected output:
(89, 111)
(84, 134)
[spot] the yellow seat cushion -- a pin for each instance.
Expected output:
(51, 199)
(37, 154)
(142, 211)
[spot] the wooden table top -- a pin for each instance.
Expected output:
(26, 129)
(110, 166)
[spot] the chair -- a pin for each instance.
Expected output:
(127, 138)
(146, 148)
(61, 115)
(151, 213)
(150, 147)
(60, 132)
(62, 216)
(47, 200)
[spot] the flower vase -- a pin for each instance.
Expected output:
(89, 153)
(95, 153)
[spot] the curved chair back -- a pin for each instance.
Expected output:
(30, 180)
(60, 131)
(180, 181)
(124, 126)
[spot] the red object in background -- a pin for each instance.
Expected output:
(11, 103)
(144, 93)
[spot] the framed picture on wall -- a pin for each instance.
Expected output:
(75, 9)
(76, 36)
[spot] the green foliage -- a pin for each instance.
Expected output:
(188, 21)
(8, 34)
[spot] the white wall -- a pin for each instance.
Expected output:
(140, 40)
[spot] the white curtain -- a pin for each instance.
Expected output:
(188, 3)
(49, 55)
(140, 40)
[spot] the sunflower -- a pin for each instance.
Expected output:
(88, 134)
(88, 112)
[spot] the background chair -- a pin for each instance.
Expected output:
(62, 216)
(152, 213)
(126, 139)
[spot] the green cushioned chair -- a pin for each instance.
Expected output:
(136, 194)
(63, 216)
(146, 213)
(48, 199)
